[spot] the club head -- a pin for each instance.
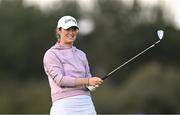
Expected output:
(160, 34)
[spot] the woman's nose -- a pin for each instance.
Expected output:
(70, 31)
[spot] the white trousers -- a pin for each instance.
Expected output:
(76, 105)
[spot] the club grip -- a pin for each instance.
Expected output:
(105, 77)
(92, 88)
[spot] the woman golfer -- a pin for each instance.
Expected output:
(68, 73)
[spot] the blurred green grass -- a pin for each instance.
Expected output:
(152, 88)
(25, 97)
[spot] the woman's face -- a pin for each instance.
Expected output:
(68, 36)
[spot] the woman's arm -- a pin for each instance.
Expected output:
(93, 81)
(54, 69)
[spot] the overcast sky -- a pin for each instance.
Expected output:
(170, 6)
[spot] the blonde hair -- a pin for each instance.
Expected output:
(57, 35)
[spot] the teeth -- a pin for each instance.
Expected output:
(70, 37)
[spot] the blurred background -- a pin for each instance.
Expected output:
(111, 32)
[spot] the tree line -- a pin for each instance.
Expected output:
(146, 85)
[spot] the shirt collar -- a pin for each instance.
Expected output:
(62, 47)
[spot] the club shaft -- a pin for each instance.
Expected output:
(108, 75)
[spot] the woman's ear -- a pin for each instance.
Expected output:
(57, 30)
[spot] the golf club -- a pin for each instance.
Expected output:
(160, 34)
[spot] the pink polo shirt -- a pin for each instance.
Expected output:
(62, 66)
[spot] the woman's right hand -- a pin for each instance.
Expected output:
(95, 81)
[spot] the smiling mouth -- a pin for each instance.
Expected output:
(70, 37)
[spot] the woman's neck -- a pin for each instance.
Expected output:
(66, 44)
